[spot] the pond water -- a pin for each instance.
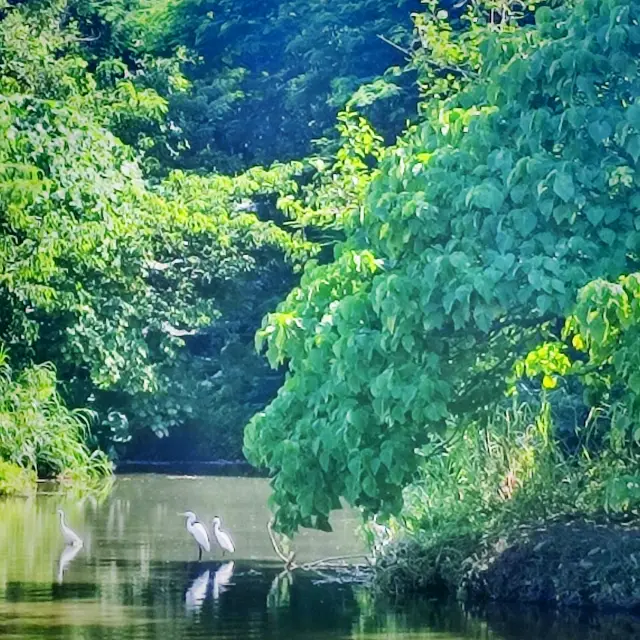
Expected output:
(136, 577)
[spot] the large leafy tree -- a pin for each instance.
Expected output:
(477, 232)
(101, 273)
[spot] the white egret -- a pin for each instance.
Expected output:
(222, 578)
(70, 536)
(222, 537)
(199, 533)
(197, 592)
(382, 536)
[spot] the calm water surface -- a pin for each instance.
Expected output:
(137, 577)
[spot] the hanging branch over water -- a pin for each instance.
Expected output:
(288, 560)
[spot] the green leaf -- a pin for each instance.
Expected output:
(563, 186)
(505, 262)
(525, 222)
(600, 131)
(632, 147)
(598, 329)
(355, 465)
(595, 215)
(386, 455)
(633, 115)
(536, 279)
(369, 487)
(459, 259)
(634, 382)
(483, 318)
(544, 303)
(487, 196)
(518, 193)
(608, 236)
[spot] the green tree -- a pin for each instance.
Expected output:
(478, 231)
(102, 273)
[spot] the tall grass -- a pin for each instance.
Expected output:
(38, 433)
(514, 468)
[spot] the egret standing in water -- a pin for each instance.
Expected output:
(199, 533)
(71, 538)
(222, 537)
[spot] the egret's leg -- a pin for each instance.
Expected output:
(200, 553)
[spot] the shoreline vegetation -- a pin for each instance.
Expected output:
(561, 563)
(517, 512)
(39, 437)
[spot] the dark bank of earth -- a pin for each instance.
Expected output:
(572, 563)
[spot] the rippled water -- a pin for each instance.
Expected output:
(136, 577)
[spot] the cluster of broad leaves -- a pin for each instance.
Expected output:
(102, 273)
(599, 346)
(478, 231)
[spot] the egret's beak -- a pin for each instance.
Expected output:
(182, 514)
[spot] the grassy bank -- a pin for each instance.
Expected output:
(520, 511)
(39, 436)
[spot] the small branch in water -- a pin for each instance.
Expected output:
(317, 563)
(289, 563)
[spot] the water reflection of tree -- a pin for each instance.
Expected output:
(280, 590)
(514, 622)
(377, 614)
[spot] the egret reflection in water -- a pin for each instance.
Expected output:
(197, 592)
(68, 554)
(222, 579)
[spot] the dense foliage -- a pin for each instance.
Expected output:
(104, 274)
(476, 235)
(490, 250)
(266, 78)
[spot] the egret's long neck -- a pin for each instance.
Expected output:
(62, 522)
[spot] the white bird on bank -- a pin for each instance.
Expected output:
(199, 533)
(70, 537)
(382, 535)
(222, 537)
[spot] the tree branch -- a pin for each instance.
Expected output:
(288, 561)
(395, 46)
